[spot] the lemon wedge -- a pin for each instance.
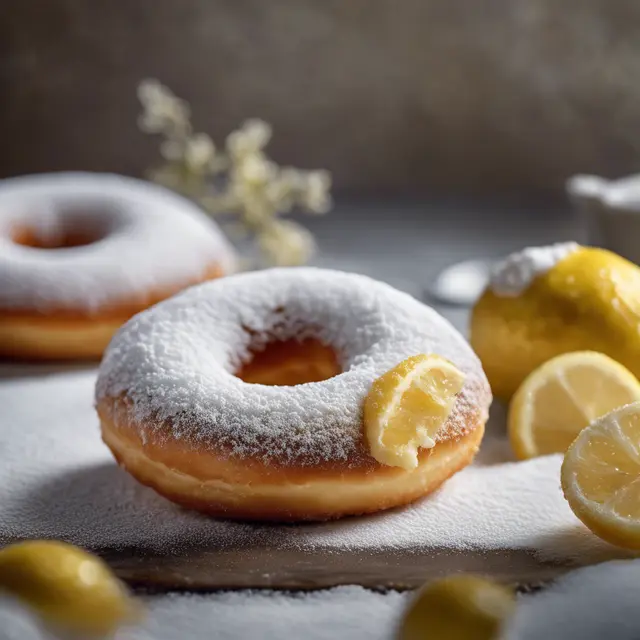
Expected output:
(407, 406)
(462, 607)
(563, 396)
(66, 586)
(601, 476)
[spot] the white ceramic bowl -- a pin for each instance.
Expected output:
(611, 209)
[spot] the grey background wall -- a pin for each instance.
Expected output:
(470, 96)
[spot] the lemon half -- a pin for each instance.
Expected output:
(601, 476)
(562, 397)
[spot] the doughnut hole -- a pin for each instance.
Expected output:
(64, 229)
(28, 237)
(290, 362)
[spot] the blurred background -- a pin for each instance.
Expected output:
(414, 96)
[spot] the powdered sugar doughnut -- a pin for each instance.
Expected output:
(188, 404)
(81, 253)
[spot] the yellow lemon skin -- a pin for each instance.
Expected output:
(67, 587)
(461, 607)
(589, 301)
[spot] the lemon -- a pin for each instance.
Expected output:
(407, 406)
(601, 476)
(66, 586)
(462, 607)
(562, 397)
(588, 301)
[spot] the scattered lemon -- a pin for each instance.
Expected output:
(66, 586)
(407, 406)
(589, 300)
(562, 397)
(601, 476)
(462, 607)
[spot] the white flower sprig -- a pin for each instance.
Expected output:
(240, 180)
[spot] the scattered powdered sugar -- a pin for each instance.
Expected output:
(17, 622)
(147, 238)
(352, 613)
(512, 276)
(57, 479)
(174, 363)
(590, 604)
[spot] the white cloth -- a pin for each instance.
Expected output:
(58, 480)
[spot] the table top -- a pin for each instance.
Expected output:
(405, 244)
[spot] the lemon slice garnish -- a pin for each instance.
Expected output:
(601, 476)
(407, 406)
(563, 396)
(462, 607)
(66, 586)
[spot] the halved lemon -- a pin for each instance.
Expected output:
(563, 396)
(459, 607)
(601, 476)
(407, 406)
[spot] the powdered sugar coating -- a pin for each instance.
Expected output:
(150, 239)
(512, 276)
(174, 363)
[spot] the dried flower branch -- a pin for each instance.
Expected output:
(241, 180)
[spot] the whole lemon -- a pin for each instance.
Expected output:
(66, 586)
(459, 607)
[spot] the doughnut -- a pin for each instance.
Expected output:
(81, 253)
(243, 397)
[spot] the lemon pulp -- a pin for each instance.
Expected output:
(407, 406)
(563, 396)
(601, 476)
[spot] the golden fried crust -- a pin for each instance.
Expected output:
(75, 334)
(251, 489)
